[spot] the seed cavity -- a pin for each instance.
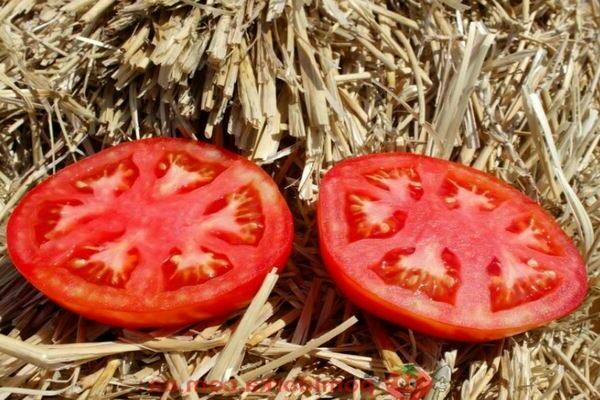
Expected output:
(181, 173)
(109, 263)
(429, 270)
(402, 183)
(193, 265)
(530, 233)
(96, 192)
(370, 217)
(515, 281)
(112, 181)
(237, 218)
(458, 193)
(381, 215)
(56, 219)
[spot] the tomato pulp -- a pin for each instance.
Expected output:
(445, 249)
(156, 232)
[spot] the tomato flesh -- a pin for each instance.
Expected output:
(445, 249)
(156, 232)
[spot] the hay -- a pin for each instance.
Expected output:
(507, 87)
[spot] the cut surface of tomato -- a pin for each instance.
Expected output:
(445, 249)
(156, 232)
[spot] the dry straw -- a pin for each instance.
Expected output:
(507, 87)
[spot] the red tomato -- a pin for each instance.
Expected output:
(410, 382)
(445, 249)
(155, 232)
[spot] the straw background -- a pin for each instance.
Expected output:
(508, 87)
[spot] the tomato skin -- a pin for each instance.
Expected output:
(214, 308)
(352, 273)
(386, 310)
(216, 297)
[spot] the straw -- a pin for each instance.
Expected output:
(511, 88)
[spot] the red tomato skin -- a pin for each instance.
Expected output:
(221, 307)
(135, 316)
(356, 292)
(389, 312)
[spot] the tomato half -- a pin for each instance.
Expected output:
(445, 249)
(155, 232)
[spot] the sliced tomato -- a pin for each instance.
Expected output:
(445, 249)
(156, 232)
